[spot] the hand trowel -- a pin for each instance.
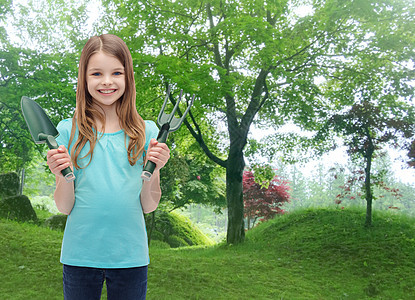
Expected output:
(42, 129)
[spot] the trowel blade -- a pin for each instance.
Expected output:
(37, 120)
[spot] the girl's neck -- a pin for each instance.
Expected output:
(112, 122)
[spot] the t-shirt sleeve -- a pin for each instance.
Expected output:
(151, 132)
(64, 128)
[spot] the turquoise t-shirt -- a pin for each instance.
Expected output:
(106, 227)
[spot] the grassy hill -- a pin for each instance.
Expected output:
(313, 254)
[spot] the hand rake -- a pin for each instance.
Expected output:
(168, 123)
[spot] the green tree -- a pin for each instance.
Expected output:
(371, 97)
(298, 188)
(39, 76)
(367, 127)
(15, 149)
(40, 67)
(252, 62)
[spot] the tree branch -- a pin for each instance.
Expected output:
(197, 134)
(216, 51)
(199, 138)
(256, 102)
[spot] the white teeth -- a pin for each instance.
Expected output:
(106, 91)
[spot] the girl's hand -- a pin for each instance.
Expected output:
(158, 153)
(58, 159)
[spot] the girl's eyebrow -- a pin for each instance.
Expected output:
(99, 69)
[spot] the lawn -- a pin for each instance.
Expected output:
(312, 254)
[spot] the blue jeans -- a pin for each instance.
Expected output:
(81, 283)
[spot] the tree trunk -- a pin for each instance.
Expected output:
(368, 187)
(369, 196)
(234, 196)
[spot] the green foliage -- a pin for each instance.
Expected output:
(248, 62)
(263, 174)
(41, 67)
(371, 99)
(42, 214)
(36, 75)
(257, 62)
(39, 181)
(45, 203)
(15, 147)
(185, 181)
(327, 184)
(9, 185)
(341, 185)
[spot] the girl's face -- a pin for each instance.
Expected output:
(105, 79)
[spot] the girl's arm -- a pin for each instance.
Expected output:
(158, 153)
(151, 193)
(57, 160)
(64, 195)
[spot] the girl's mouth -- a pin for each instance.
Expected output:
(106, 91)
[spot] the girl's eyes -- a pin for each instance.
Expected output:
(99, 74)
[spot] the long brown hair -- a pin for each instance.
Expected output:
(85, 114)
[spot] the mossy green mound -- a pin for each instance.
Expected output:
(176, 230)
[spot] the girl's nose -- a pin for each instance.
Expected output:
(107, 80)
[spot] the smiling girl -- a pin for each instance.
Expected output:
(106, 143)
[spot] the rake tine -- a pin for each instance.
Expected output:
(175, 107)
(163, 107)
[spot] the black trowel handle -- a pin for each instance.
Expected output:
(52, 144)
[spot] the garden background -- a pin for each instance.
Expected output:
(255, 205)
